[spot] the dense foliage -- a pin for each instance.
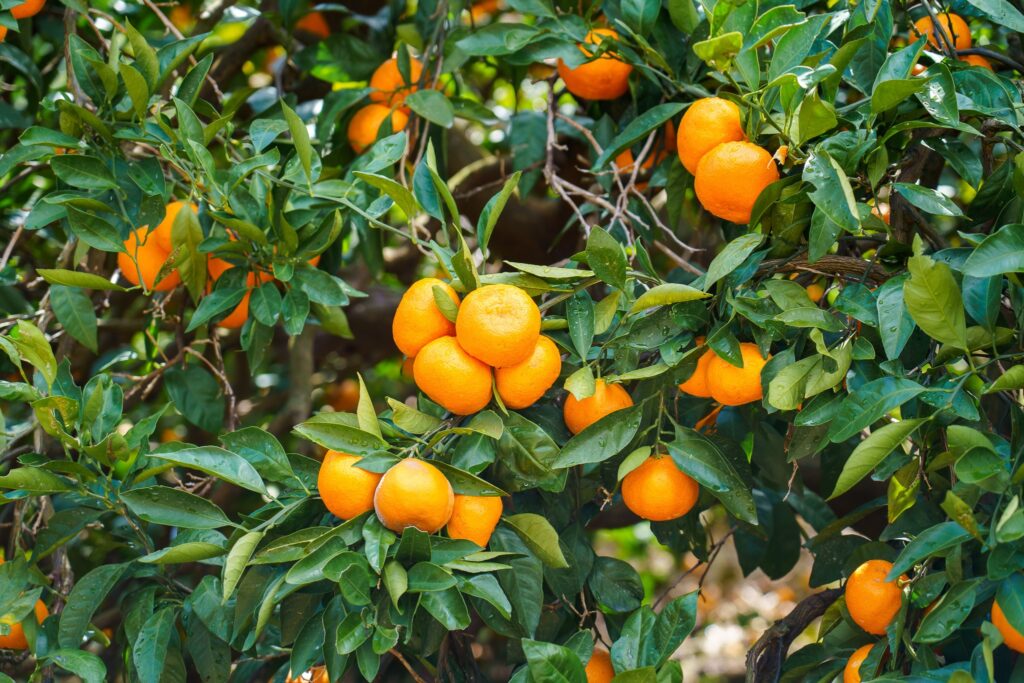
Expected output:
(159, 467)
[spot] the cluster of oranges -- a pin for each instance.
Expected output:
(412, 493)
(388, 90)
(718, 379)
(27, 9)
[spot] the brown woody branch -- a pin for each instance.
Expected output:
(839, 266)
(765, 658)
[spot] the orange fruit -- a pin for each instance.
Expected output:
(624, 161)
(955, 28)
(599, 668)
(367, 122)
(387, 85)
(604, 78)
(418, 320)
(1011, 636)
(27, 9)
(142, 261)
(977, 60)
(15, 638)
(882, 211)
(407, 366)
(498, 324)
(344, 396)
(414, 493)
(733, 386)
(474, 518)
(730, 178)
(181, 17)
(871, 600)
(607, 398)
(451, 377)
(521, 385)
(3, 33)
(707, 123)
(697, 384)
(315, 24)
(347, 490)
(851, 674)
(918, 69)
(815, 291)
(658, 490)
(236, 318)
(318, 674)
(162, 232)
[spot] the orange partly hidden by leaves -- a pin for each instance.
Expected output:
(604, 78)
(607, 398)
(314, 23)
(367, 122)
(3, 33)
(318, 674)
(955, 28)
(733, 386)
(977, 60)
(15, 638)
(851, 674)
(414, 493)
(815, 291)
(730, 178)
(707, 123)
(599, 668)
(346, 490)
(871, 600)
(474, 518)
(344, 396)
(27, 9)
(1013, 638)
(418, 320)
(697, 383)
(387, 86)
(142, 260)
(521, 385)
(660, 150)
(658, 490)
(451, 377)
(498, 324)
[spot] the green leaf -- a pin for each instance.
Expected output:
(83, 171)
(34, 349)
(1010, 380)
(602, 440)
(218, 462)
(871, 451)
(551, 663)
(76, 278)
(891, 93)
(150, 650)
(326, 431)
(832, 193)
(410, 419)
(190, 262)
(448, 607)
(1001, 252)
(85, 598)
(237, 559)
(869, 403)
(396, 580)
(702, 459)
(928, 200)
(33, 480)
(579, 310)
(670, 293)
(398, 192)
(95, 231)
(673, 624)
(729, 259)
(948, 613)
(934, 302)
(192, 551)
(606, 257)
(932, 541)
(632, 461)
(196, 395)
(433, 106)
(493, 209)
(173, 507)
(138, 89)
(145, 56)
(300, 138)
(1002, 13)
(87, 666)
(635, 131)
(539, 536)
(719, 51)
(426, 576)
(465, 483)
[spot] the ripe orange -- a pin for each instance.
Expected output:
(414, 493)
(3, 33)
(451, 377)
(522, 384)
(499, 324)
(344, 396)
(237, 317)
(733, 386)
(882, 211)
(387, 85)
(607, 399)
(624, 161)
(474, 518)
(871, 600)
(955, 28)
(851, 674)
(977, 60)
(815, 291)
(418, 320)
(730, 178)
(367, 122)
(697, 383)
(599, 668)
(1013, 638)
(604, 78)
(346, 490)
(162, 232)
(318, 674)
(706, 124)
(15, 638)
(315, 24)
(142, 260)
(27, 9)
(658, 490)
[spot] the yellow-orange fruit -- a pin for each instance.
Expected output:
(1011, 636)
(314, 23)
(707, 123)
(730, 178)
(27, 9)
(318, 674)
(599, 668)
(367, 122)
(658, 490)
(3, 33)
(697, 383)
(607, 398)
(474, 518)
(149, 258)
(871, 600)
(15, 638)
(604, 78)
(956, 29)
(977, 60)
(237, 317)
(815, 291)
(521, 385)
(414, 493)
(418, 320)
(851, 674)
(451, 377)
(387, 86)
(498, 324)
(347, 490)
(733, 386)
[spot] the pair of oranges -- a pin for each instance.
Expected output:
(495, 339)
(412, 493)
(718, 379)
(951, 29)
(388, 90)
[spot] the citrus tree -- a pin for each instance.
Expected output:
(331, 335)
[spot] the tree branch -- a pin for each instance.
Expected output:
(764, 660)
